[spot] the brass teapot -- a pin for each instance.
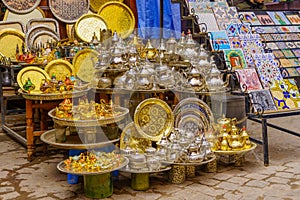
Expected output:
(148, 52)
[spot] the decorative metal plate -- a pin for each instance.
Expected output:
(153, 118)
(23, 18)
(87, 25)
(122, 112)
(50, 22)
(21, 6)
(142, 171)
(9, 39)
(72, 141)
(131, 137)
(32, 32)
(41, 38)
(61, 167)
(69, 11)
(84, 62)
(61, 68)
(12, 24)
(96, 4)
(230, 152)
(208, 160)
(35, 74)
(118, 17)
(191, 123)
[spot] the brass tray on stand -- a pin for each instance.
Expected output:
(212, 158)
(21, 6)
(233, 152)
(118, 17)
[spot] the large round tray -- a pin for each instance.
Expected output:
(55, 96)
(118, 17)
(72, 141)
(21, 6)
(253, 146)
(88, 123)
(61, 167)
(162, 169)
(9, 39)
(69, 11)
(96, 4)
(191, 163)
(61, 68)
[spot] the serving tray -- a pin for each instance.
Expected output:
(21, 6)
(95, 5)
(61, 68)
(9, 39)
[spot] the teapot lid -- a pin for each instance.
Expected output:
(224, 120)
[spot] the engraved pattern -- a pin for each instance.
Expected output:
(69, 10)
(21, 6)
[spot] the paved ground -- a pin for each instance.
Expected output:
(20, 179)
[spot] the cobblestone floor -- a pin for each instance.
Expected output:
(39, 179)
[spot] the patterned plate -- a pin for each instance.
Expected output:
(69, 11)
(21, 6)
(41, 38)
(191, 123)
(23, 18)
(35, 74)
(9, 39)
(84, 62)
(118, 17)
(88, 25)
(96, 4)
(60, 68)
(153, 118)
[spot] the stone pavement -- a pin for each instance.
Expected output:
(39, 179)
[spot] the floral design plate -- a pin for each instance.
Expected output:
(153, 118)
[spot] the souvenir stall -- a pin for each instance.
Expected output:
(149, 101)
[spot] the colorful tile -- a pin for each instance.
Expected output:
(276, 36)
(219, 40)
(294, 36)
(220, 12)
(294, 62)
(296, 52)
(284, 72)
(234, 58)
(284, 29)
(294, 19)
(278, 18)
(292, 72)
(285, 94)
(258, 29)
(267, 37)
(248, 79)
(285, 62)
(265, 19)
(262, 100)
(244, 28)
(249, 17)
(209, 20)
(290, 45)
(232, 12)
(288, 53)
(271, 45)
(278, 54)
(235, 42)
(281, 45)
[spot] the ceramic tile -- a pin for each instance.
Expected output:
(258, 29)
(271, 45)
(278, 54)
(267, 37)
(284, 72)
(288, 53)
(285, 62)
(281, 45)
(220, 12)
(265, 19)
(294, 61)
(249, 17)
(244, 28)
(294, 19)
(223, 23)
(296, 52)
(219, 40)
(209, 20)
(262, 100)
(235, 42)
(294, 36)
(290, 45)
(276, 36)
(232, 12)
(292, 71)
(248, 79)
(297, 44)
(285, 94)
(234, 58)
(284, 29)
(278, 18)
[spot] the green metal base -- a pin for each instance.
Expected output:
(140, 181)
(98, 186)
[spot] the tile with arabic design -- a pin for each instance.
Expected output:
(209, 20)
(285, 62)
(262, 100)
(292, 71)
(278, 54)
(235, 42)
(294, 36)
(276, 36)
(265, 19)
(278, 17)
(248, 79)
(267, 68)
(223, 23)
(297, 43)
(251, 45)
(219, 40)
(271, 45)
(220, 12)
(258, 29)
(285, 94)
(284, 72)
(290, 45)
(288, 53)
(232, 12)
(244, 28)
(294, 61)
(293, 18)
(249, 17)
(234, 58)
(281, 45)
(232, 30)
(267, 37)
(284, 29)
(296, 52)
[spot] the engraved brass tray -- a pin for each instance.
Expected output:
(13, 25)
(72, 141)
(61, 167)
(49, 22)
(21, 6)
(9, 39)
(118, 17)
(122, 112)
(131, 137)
(61, 68)
(35, 74)
(84, 62)
(191, 123)
(212, 158)
(42, 37)
(23, 18)
(96, 4)
(69, 11)
(87, 25)
(231, 152)
(153, 118)
(38, 95)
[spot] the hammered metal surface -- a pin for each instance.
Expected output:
(153, 119)
(96, 4)
(9, 39)
(118, 17)
(21, 6)
(69, 11)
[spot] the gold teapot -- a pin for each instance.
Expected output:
(148, 52)
(224, 122)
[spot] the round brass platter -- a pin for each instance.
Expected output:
(231, 152)
(96, 4)
(69, 11)
(9, 39)
(84, 62)
(61, 68)
(118, 17)
(21, 6)
(35, 74)
(87, 25)
(153, 118)
(23, 18)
